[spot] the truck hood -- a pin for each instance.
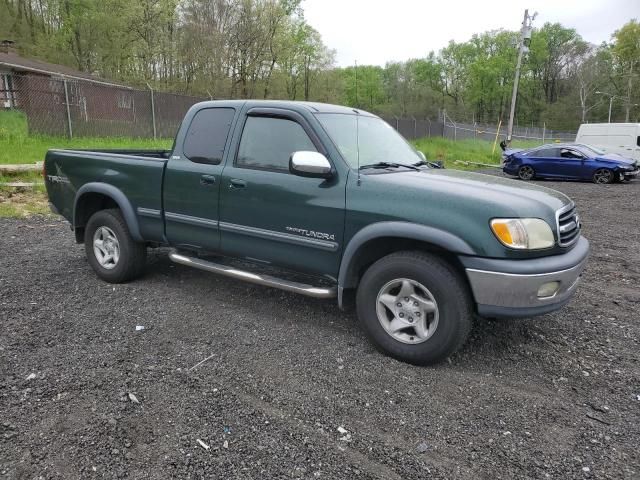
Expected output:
(457, 202)
(516, 195)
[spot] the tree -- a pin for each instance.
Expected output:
(626, 50)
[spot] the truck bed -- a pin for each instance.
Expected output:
(134, 176)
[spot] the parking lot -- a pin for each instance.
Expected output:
(230, 380)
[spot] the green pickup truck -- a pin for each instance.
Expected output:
(328, 202)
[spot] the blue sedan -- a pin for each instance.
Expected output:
(569, 162)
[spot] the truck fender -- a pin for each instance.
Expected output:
(347, 276)
(117, 196)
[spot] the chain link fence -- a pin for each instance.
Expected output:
(62, 106)
(78, 108)
(534, 134)
(413, 128)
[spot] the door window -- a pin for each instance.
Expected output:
(207, 135)
(568, 153)
(267, 143)
(546, 153)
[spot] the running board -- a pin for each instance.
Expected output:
(266, 280)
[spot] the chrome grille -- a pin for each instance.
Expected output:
(568, 223)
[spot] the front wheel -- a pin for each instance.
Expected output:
(526, 172)
(110, 249)
(415, 307)
(603, 176)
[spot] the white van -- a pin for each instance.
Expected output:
(620, 138)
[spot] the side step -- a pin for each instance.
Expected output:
(266, 280)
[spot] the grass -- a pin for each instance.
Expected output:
(470, 150)
(17, 146)
(23, 202)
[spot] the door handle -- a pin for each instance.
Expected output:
(207, 180)
(236, 183)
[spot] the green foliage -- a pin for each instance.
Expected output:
(470, 150)
(363, 86)
(447, 151)
(31, 149)
(13, 125)
(266, 49)
(627, 43)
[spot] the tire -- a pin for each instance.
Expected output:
(434, 281)
(526, 172)
(603, 176)
(128, 257)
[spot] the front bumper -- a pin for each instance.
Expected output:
(510, 288)
(630, 174)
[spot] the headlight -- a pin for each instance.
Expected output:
(523, 233)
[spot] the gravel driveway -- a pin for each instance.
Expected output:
(275, 385)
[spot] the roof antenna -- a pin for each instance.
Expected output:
(357, 125)
(358, 143)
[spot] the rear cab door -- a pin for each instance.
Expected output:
(193, 176)
(545, 161)
(271, 216)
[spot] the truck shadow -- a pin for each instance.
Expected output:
(490, 339)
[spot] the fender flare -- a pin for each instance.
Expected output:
(413, 231)
(117, 196)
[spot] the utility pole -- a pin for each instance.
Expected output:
(611, 99)
(628, 106)
(523, 47)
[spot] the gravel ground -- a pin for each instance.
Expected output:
(84, 395)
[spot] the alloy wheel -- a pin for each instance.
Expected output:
(106, 247)
(603, 175)
(526, 172)
(407, 311)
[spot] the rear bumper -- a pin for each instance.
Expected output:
(511, 288)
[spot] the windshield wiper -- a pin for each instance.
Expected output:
(427, 163)
(389, 165)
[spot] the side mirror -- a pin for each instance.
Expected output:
(422, 156)
(310, 164)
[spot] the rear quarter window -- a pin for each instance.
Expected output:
(207, 135)
(545, 153)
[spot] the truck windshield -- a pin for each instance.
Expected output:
(378, 141)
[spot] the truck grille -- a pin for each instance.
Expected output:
(568, 225)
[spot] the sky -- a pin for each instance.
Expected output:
(374, 32)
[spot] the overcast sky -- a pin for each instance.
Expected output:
(375, 32)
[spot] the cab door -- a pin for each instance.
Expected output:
(571, 163)
(268, 214)
(546, 161)
(192, 181)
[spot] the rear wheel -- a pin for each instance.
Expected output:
(603, 176)
(415, 307)
(110, 249)
(526, 172)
